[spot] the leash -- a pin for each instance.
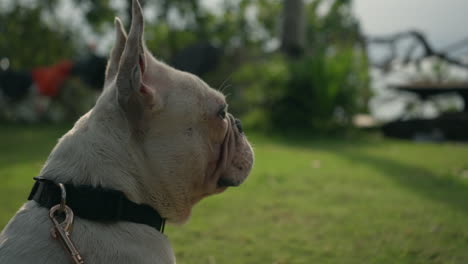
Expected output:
(93, 203)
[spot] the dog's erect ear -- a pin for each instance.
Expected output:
(133, 95)
(114, 59)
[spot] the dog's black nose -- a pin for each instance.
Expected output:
(239, 125)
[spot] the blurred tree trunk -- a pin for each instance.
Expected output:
(293, 34)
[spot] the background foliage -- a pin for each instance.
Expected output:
(320, 89)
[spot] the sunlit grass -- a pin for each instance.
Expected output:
(352, 200)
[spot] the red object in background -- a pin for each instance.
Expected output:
(49, 79)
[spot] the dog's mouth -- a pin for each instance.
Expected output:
(232, 163)
(223, 180)
(229, 175)
(225, 155)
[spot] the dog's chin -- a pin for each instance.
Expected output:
(220, 189)
(222, 184)
(225, 182)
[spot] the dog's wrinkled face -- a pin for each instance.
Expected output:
(189, 145)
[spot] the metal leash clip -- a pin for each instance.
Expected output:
(62, 229)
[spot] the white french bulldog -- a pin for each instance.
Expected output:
(161, 136)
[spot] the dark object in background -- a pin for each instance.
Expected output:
(91, 70)
(15, 85)
(452, 126)
(449, 126)
(198, 59)
(426, 90)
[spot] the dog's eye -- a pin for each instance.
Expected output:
(223, 111)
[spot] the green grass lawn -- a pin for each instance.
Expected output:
(356, 200)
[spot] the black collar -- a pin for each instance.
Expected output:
(96, 203)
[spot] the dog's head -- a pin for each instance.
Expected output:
(186, 144)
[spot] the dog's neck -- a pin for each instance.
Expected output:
(99, 151)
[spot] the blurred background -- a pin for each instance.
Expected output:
(356, 109)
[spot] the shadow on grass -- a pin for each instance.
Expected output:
(439, 188)
(434, 186)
